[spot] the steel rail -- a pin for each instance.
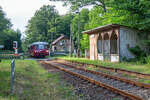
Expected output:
(139, 84)
(118, 91)
(118, 70)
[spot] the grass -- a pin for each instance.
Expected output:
(32, 82)
(144, 81)
(143, 68)
(9, 57)
(6, 52)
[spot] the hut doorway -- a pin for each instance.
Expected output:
(99, 45)
(113, 44)
(114, 48)
(106, 48)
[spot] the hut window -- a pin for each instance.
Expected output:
(65, 49)
(99, 44)
(128, 46)
(55, 48)
(92, 36)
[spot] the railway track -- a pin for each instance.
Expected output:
(124, 87)
(85, 90)
(118, 70)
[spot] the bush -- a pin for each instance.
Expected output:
(139, 54)
(147, 59)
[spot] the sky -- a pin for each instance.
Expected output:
(20, 11)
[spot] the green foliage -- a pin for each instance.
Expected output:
(137, 51)
(97, 17)
(148, 60)
(63, 26)
(11, 36)
(139, 54)
(85, 42)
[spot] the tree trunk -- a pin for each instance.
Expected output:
(103, 5)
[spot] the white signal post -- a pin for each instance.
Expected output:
(15, 46)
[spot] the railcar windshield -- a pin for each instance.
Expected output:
(41, 47)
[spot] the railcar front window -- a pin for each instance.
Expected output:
(36, 47)
(41, 46)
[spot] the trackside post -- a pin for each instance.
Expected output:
(12, 75)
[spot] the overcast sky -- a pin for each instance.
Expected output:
(20, 11)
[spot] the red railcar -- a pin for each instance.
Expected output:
(38, 49)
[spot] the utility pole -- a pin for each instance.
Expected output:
(51, 42)
(79, 35)
(52, 33)
(71, 40)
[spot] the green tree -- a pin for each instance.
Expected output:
(4, 25)
(85, 42)
(63, 26)
(11, 36)
(38, 28)
(97, 17)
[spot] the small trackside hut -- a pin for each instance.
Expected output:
(112, 42)
(61, 44)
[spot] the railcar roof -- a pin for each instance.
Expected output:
(36, 43)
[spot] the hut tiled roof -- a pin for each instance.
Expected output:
(58, 39)
(102, 28)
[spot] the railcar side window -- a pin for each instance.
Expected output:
(46, 47)
(32, 47)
